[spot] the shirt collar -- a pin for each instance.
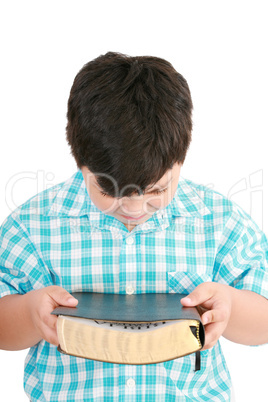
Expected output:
(187, 200)
(72, 199)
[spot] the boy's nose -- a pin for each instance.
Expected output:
(133, 207)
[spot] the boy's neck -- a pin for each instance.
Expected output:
(129, 227)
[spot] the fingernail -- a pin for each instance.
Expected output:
(187, 299)
(72, 300)
(205, 320)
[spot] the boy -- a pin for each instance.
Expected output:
(127, 222)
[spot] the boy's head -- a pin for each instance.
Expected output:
(129, 121)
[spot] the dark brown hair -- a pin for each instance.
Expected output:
(129, 118)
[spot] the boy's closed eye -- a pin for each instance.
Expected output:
(155, 192)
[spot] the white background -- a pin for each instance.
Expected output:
(220, 47)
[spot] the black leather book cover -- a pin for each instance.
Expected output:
(144, 307)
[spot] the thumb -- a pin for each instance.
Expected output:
(199, 295)
(62, 297)
(187, 300)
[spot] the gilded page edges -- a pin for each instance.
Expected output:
(162, 344)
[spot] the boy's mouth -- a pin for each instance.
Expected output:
(133, 218)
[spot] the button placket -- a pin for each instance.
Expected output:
(129, 288)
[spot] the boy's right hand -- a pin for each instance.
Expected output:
(41, 303)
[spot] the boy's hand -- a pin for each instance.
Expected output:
(41, 303)
(216, 300)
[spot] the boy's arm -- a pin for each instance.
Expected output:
(25, 319)
(248, 322)
(237, 314)
(17, 330)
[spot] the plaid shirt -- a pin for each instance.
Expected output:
(59, 237)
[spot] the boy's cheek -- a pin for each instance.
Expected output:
(156, 204)
(105, 204)
(160, 201)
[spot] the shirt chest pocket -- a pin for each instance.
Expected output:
(185, 282)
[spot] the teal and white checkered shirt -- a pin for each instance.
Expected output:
(59, 237)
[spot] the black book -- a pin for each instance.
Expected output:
(130, 329)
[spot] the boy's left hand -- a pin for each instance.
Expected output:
(216, 300)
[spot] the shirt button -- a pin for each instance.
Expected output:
(130, 383)
(129, 240)
(129, 290)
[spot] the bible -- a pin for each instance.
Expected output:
(142, 328)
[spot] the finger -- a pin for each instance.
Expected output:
(201, 294)
(62, 297)
(212, 334)
(49, 320)
(214, 315)
(50, 335)
(47, 327)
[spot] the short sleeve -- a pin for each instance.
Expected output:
(21, 268)
(242, 257)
